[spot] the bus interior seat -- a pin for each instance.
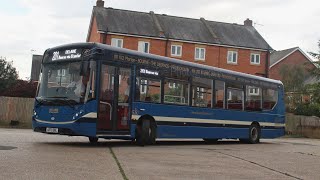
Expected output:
(148, 99)
(219, 104)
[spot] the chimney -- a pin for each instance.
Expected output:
(100, 3)
(248, 22)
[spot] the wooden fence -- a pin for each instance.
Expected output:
(16, 109)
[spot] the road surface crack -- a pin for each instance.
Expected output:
(309, 154)
(260, 165)
(118, 163)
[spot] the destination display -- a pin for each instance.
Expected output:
(66, 54)
(187, 70)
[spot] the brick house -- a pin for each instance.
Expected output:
(288, 57)
(291, 58)
(224, 45)
(35, 67)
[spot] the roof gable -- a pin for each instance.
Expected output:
(178, 28)
(277, 56)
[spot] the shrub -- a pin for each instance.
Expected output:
(312, 109)
(21, 88)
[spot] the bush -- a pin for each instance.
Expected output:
(21, 88)
(308, 109)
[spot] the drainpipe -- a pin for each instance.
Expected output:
(267, 63)
(166, 50)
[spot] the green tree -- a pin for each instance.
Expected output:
(316, 71)
(293, 78)
(314, 89)
(8, 74)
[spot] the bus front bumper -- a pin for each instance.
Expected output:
(75, 128)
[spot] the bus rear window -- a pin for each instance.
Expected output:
(270, 98)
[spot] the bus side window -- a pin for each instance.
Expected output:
(235, 99)
(253, 98)
(270, 98)
(176, 92)
(201, 92)
(219, 94)
(150, 90)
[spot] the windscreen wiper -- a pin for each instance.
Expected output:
(65, 100)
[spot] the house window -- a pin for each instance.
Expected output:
(200, 53)
(229, 95)
(253, 91)
(172, 85)
(143, 46)
(120, 78)
(116, 42)
(143, 86)
(232, 57)
(255, 58)
(61, 72)
(200, 92)
(176, 50)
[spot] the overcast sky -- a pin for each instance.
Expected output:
(31, 26)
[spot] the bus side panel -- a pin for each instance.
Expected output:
(164, 131)
(272, 133)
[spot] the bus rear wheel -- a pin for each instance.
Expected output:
(254, 135)
(93, 140)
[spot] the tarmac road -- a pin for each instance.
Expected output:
(28, 155)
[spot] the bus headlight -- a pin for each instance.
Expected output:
(77, 114)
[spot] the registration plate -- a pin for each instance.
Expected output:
(52, 130)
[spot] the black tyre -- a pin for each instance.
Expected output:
(146, 133)
(254, 134)
(138, 133)
(210, 141)
(93, 140)
(151, 133)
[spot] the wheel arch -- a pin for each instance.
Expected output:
(256, 123)
(146, 116)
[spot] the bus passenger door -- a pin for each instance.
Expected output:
(123, 99)
(106, 98)
(113, 114)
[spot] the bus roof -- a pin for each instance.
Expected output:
(90, 45)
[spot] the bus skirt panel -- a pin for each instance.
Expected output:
(168, 131)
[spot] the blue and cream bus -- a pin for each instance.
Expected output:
(99, 91)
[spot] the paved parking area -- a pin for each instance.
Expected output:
(28, 155)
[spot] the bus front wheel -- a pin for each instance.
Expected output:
(210, 141)
(93, 140)
(146, 132)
